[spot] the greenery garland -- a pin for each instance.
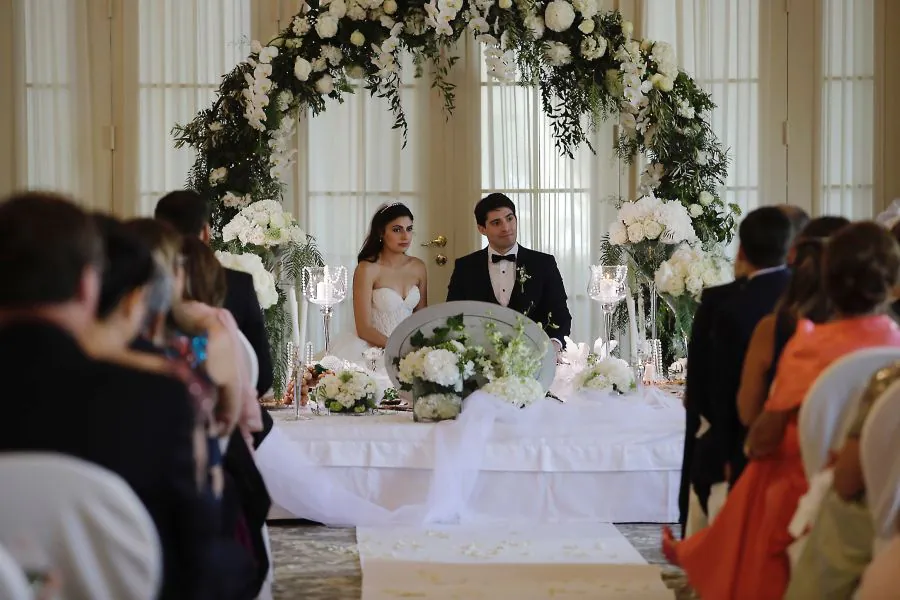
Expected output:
(586, 64)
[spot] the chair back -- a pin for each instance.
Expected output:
(13, 583)
(832, 402)
(880, 458)
(85, 521)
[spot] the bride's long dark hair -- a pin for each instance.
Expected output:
(375, 240)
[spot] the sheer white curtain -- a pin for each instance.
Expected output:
(185, 48)
(351, 163)
(564, 205)
(57, 104)
(717, 43)
(848, 108)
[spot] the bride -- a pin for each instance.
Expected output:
(388, 285)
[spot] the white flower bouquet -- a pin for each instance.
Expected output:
(263, 280)
(609, 374)
(689, 270)
(510, 372)
(347, 392)
(264, 224)
(650, 219)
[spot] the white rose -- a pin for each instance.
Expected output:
(696, 210)
(635, 233)
(652, 230)
(535, 24)
(302, 68)
(505, 4)
(389, 7)
(325, 84)
(319, 64)
(357, 38)
(300, 26)
(558, 54)
(661, 82)
(354, 71)
(337, 9)
(255, 47)
(559, 15)
(356, 13)
(326, 26)
(587, 8)
(218, 175)
(617, 234)
(586, 26)
(267, 54)
(627, 28)
(705, 198)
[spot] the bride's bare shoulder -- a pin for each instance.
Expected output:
(416, 263)
(367, 269)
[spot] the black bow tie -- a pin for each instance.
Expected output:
(498, 257)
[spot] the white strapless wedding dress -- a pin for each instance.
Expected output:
(389, 309)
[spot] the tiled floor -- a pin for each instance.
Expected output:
(320, 563)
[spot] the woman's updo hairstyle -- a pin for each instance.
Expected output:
(375, 240)
(204, 276)
(861, 267)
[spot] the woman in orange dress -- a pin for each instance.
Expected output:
(743, 554)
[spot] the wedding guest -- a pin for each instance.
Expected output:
(188, 213)
(135, 423)
(721, 331)
(804, 298)
(748, 542)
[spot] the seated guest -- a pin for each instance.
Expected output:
(804, 298)
(721, 332)
(188, 213)
(137, 424)
(745, 550)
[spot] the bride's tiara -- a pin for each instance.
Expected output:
(387, 206)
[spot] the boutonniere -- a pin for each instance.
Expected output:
(522, 278)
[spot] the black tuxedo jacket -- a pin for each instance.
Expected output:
(734, 328)
(701, 469)
(138, 425)
(242, 303)
(542, 298)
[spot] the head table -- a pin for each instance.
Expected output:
(597, 457)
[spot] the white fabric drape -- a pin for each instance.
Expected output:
(185, 47)
(58, 97)
(848, 108)
(717, 42)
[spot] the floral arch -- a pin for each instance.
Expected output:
(587, 64)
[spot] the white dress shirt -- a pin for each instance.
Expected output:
(503, 275)
(766, 271)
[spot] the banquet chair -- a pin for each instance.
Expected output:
(82, 521)
(13, 583)
(879, 452)
(250, 359)
(826, 415)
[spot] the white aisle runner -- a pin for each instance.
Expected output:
(533, 561)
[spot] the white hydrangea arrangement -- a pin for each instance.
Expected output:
(689, 270)
(263, 280)
(653, 220)
(609, 374)
(437, 407)
(264, 223)
(347, 391)
(513, 366)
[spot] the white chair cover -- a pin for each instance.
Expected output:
(87, 523)
(880, 457)
(827, 413)
(13, 583)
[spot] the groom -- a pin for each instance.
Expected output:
(505, 273)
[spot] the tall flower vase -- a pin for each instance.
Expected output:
(653, 371)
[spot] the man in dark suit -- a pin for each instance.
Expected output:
(505, 273)
(188, 212)
(137, 424)
(245, 490)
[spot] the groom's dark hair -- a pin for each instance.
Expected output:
(489, 203)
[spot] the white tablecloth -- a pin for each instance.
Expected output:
(598, 458)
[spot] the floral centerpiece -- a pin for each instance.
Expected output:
(439, 371)
(263, 280)
(346, 392)
(608, 374)
(444, 368)
(682, 277)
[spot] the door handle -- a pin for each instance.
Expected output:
(440, 241)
